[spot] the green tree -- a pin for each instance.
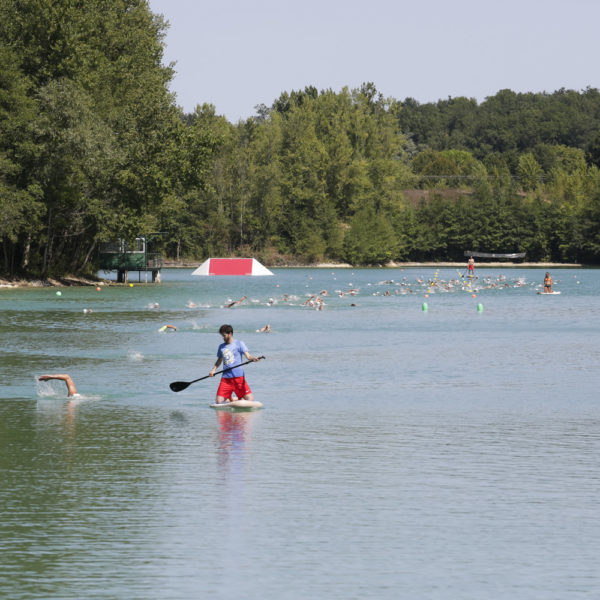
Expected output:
(529, 172)
(20, 193)
(370, 239)
(106, 124)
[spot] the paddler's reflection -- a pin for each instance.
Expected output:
(234, 434)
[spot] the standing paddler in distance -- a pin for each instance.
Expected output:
(471, 266)
(230, 353)
(547, 283)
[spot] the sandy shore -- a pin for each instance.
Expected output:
(66, 281)
(395, 265)
(478, 265)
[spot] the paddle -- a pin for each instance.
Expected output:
(178, 386)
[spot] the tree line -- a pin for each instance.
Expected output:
(93, 148)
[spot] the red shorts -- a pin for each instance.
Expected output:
(229, 385)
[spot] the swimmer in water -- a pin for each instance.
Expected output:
(167, 326)
(265, 329)
(71, 389)
(235, 302)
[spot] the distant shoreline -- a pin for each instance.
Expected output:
(70, 280)
(529, 265)
(171, 264)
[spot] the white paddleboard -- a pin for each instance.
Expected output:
(548, 293)
(238, 405)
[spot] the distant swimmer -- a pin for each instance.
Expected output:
(547, 283)
(235, 302)
(71, 389)
(265, 329)
(471, 266)
(167, 326)
(315, 301)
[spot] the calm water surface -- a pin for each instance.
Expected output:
(402, 453)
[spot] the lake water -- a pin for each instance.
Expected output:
(452, 453)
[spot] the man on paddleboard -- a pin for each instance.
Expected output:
(230, 353)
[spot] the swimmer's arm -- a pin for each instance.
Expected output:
(71, 389)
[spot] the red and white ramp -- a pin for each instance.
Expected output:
(231, 266)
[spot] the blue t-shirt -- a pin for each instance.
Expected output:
(232, 354)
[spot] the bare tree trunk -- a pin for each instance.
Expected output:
(26, 251)
(5, 252)
(58, 250)
(47, 249)
(87, 257)
(75, 253)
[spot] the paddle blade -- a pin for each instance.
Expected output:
(178, 386)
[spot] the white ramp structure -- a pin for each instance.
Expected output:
(232, 266)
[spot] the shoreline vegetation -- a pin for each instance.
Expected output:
(82, 281)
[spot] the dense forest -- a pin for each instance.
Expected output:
(93, 148)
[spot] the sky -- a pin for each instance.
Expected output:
(237, 54)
